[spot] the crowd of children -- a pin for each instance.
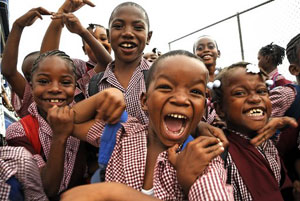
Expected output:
(167, 149)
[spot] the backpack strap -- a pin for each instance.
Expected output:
(16, 191)
(93, 87)
(31, 127)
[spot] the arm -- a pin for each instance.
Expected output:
(105, 192)
(61, 122)
(191, 162)
(52, 36)
(73, 24)
(10, 55)
(271, 127)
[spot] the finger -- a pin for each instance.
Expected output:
(209, 141)
(89, 3)
(290, 121)
(44, 11)
(116, 115)
(217, 148)
(213, 154)
(37, 15)
(172, 154)
(258, 140)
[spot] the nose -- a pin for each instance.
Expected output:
(180, 99)
(254, 98)
(127, 32)
(54, 88)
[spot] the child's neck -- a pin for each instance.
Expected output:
(124, 71)
(211, 70)
(248, 134)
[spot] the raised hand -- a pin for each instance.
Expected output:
(31, 16)
(70, 6)
(71, 21)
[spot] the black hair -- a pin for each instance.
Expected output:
(217, 92)
(93, 26)
(130, 4)
(168, 54)
(276, 53)
(57, 53)
(203, 36)
(292, 49)
(31, 53)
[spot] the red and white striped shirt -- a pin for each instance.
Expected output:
(128, 163)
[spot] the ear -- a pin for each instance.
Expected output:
(219, 110)
(294, 69)
(219, 53)
(149, 37)
(143, 100)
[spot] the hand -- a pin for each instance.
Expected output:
(271, 127)
(60, 120)
(71, 6)
(31, 16)
(205, 129)
(110, 105)
(71, 21)
(192, 161)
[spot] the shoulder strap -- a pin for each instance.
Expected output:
(93, 87)
(294, 110)
(31, 127)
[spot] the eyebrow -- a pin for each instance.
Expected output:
(48, 75)
(134, 22)
(198, 81)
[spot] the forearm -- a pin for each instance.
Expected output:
(80, 130)
(52, 36)
(52, 173)
(85, 110)
(102, 55)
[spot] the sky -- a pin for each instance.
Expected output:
(171, 19)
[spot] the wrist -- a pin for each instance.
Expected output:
(18, 26)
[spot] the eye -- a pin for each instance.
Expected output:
(239, 93)
(67, 82)
(262, 91)
(117, 26)
(200, 48)
(164, 87)
(197, 92)
(43, 81)
(211, 46)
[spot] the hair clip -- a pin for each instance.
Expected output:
(215, 84)
(269, 83)
(217, 72)
(250, 68)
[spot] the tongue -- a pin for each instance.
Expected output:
(173, 124)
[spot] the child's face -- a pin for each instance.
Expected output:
(206, 49)
(129, 33)
(53, 83)
(263, 62)
(100, 34)
(246, 106)
(175, 100)
(151, 57)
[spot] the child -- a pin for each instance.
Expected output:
(59, 156)
(95, 44)
(19, 84)
(19, 175)
(152, 56)
(242, 101)
(269, 57)
(207, 49)
(175, 102)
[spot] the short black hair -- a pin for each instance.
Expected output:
(168, 54)
(276, 53)
(57, 53)
(130, 4)
(292, 49)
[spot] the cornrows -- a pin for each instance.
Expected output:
(292, 49)
(274, 51)
(57, 53)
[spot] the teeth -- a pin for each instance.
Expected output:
(256, 112)
(179, 116)
(55, 101)
(127, 45)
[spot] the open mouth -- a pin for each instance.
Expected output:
(255, 112)
(128, 45)
(175, 124)
(206, 57)
(58, 102)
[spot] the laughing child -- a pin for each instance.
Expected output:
(175, 102)
(242, 101)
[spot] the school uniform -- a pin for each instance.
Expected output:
(128, 163)
(16, 136)
(254, 172)
(17, 162)
(134, 90)
(21, 104)
(278, 79)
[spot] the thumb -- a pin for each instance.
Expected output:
(172, 155)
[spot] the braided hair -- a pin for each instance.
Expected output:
(275, 52)
(292, 49)
(57, 53)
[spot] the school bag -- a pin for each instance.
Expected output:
(31, 128)
(93, 87)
